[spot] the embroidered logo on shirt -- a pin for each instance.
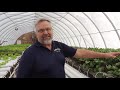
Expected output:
(57, 50)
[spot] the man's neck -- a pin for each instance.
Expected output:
(49, 46)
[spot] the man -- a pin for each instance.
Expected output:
(46, 58)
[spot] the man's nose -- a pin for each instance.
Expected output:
(45, 32)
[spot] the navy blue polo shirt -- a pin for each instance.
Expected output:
(39, 62)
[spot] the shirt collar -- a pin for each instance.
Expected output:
(38, 44)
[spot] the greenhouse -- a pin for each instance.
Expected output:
(93, 31)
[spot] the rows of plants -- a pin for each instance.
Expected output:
(11, 52)
(98, 67)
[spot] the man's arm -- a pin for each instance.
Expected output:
(82, 53)
(25, 65)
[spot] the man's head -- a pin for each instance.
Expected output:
(44, 32)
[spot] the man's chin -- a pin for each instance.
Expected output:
(47, 42)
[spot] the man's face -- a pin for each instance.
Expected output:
(44, 32)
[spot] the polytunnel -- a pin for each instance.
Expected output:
(99, 31)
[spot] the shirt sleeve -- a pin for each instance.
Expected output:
(25, 65)
(67, 50)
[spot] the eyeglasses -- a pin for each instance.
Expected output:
(43, 30)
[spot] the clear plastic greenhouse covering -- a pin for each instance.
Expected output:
(80, 29)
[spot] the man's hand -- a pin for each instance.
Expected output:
(112, 54)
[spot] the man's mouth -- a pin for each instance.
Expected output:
(48, 37)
